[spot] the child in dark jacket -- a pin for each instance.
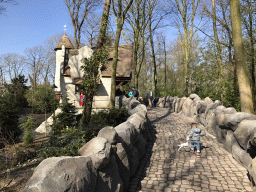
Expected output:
(195, 135)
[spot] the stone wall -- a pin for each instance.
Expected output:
(235, 130)
(107, 162)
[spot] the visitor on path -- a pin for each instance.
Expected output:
(130, 94)
(149, 97)
(135, 93)
(195, 135)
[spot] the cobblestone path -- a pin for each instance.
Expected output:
(167, 169)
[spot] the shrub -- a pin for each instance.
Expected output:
(41, 98)
(64, 119)
(72, 138)
(110, 117)
(28, 126)
(9, 117)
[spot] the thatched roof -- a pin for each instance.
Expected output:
(64, 41)
(124, 64)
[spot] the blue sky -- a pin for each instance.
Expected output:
(30, 23)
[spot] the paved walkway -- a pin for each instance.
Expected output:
(167, 169)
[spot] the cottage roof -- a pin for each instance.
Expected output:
(124, 64)
(64, 41)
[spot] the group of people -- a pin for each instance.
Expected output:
(135, 93)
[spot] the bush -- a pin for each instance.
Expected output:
(9, 117)
(64, 119)
(110, 117)
(28, 126)
(41, 98)
(73, 138)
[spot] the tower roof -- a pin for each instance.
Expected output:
(64, 41)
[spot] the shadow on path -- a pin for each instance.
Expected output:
(162, 117)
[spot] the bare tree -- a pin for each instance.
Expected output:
(242, 74)
(2, 7)
(120, 14)
(35, 61)
(13, 65)
(91, 29)
(185, 12)
(78, 11)
(137, 18)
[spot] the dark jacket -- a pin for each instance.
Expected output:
(195, 134)
(135, 93)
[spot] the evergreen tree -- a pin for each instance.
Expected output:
(64, 119)
(28, 126)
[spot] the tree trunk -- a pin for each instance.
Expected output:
(115, 59)
(104, 24)
(153, 60)
(242, 74)
(218, 50)
(101, 40)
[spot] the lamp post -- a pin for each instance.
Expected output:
(187, 80)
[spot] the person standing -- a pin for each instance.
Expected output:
(149, 97)
(135, 93)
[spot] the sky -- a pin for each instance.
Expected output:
(30, 23)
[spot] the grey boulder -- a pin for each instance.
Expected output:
(232, 120)
(109, 133)
(245, 133)
(63, 174)
(98, 149)
(109, 179)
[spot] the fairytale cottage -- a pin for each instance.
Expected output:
(69, 76)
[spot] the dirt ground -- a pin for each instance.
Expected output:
(17, 162)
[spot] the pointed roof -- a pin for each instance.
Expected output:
(64, 41)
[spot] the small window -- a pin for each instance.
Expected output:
(77, 88)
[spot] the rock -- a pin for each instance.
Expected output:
(221, 134)
(232, 120)
(63, 174)
(161, 105)
(220, 114)
(134, 160)
(220, 119)
(138, 121)
(126, 131)
(186, 108)
(245, 132)
(109, 179)
(123, 164)
(202, 119)
(182, 100)
(194, 97)
(240, 155)
(208, 101)
(211, 122)
(211, 106)
(200, 107)
(173, 104)
(252, 170)
(160, 101)
(230, 110)
(98, 149)
(134, 103)
(109, 133)
(166, 101)
(217, 102)
(230, 140)
(141, 109)
(177, 105)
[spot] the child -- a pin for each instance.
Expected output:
(195, 135)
